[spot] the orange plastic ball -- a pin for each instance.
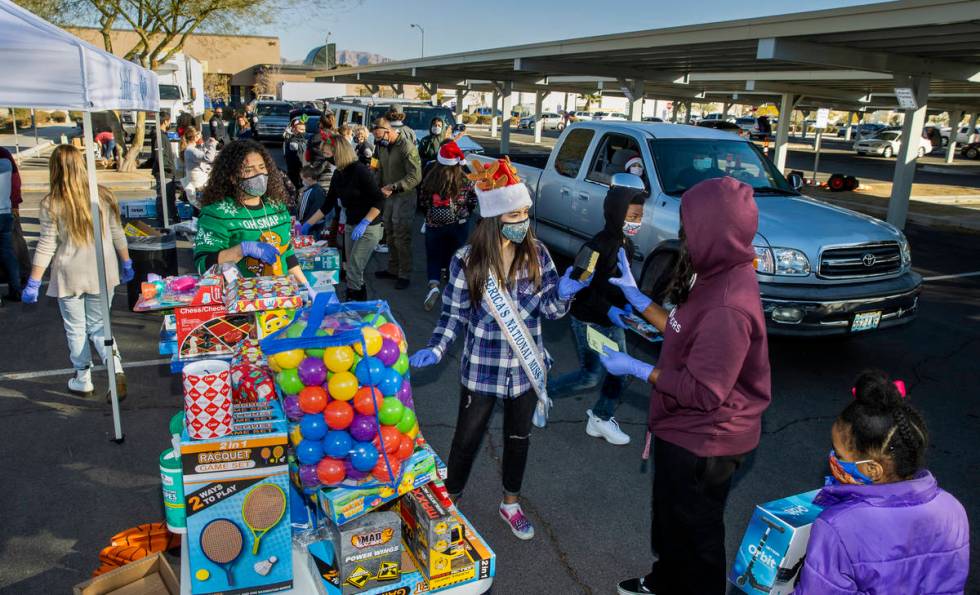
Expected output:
(406, 446)
(391, 438)
(330, 471)
(390, 330)
(367, 400)
(382, 472)
(338, 415)
(312, 399)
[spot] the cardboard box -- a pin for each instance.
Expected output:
(344, 504)
(365, 553)
(139, 209)
(221, 477)
(323, 567)
(320, 263)
(257, 294)
(210, 330)
(432, 533)
(484, 561)
(771, 554)
(150, 576)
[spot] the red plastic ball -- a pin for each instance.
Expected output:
(312, 399)
(330, 471)
(381, 471)
(406, 446)
(390, 330)
(338, 415)
(363, 402)
(391, 437)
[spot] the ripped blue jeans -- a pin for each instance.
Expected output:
(591, 373)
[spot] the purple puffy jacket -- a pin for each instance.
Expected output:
(903, 537)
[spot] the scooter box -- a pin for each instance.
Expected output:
(771, 554)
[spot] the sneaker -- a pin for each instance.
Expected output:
(384, 275)
(401, 283)
(519, 525)
(600, 428)
(81, 383)
(633, 586)
(431, 298)
(381, 248)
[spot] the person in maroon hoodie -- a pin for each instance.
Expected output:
(712, 384)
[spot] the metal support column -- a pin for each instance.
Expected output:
(954, 130)
(460, 95)
(506, 100)
(538, 109)
(725, 107)
(898, 204)
(971, 129)
(495, 97)
(850, 127)
(687, 112)
(780, 147)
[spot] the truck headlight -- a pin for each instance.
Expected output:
(763, 262)
(781, 261)
(903, 245)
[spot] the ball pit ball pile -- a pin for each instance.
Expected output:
(351, 405)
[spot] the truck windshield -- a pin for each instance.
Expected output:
(169, 92)
(274, 109)
(417, 117)
(683, 162)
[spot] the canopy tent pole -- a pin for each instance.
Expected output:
(13, 120)
(93, 190)
(161, 180)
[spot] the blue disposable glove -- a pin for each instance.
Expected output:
(618, 363)
(360, 229)
(263, 251)
(423, 358)
(568, 287)
(616, 315)
(304, 230)
(127, 271)
(29, 294)
(627, 283)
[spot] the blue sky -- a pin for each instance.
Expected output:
(382, 26)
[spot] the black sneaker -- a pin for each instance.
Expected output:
(384, 275)
(401, 283)
(633, 586)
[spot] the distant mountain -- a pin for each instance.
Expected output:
(356, 58)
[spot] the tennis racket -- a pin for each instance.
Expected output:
(221, 542)
(262, 509)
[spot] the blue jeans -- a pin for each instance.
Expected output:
(591, 372)
(8, 258)
(440, 244)
(82, 315)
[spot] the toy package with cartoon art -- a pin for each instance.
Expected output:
(256, 294)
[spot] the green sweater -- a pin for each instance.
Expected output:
(228, 223)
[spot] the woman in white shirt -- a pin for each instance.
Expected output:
(198, 156)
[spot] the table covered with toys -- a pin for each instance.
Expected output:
(297, 461)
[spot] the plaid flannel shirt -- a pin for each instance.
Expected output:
(488, 365)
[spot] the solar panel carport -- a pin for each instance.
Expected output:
(847, 58)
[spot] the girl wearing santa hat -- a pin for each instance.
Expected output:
(501, 284)
(448, 199)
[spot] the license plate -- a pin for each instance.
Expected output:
(866, 321)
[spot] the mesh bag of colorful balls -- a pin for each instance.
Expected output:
(342, 372)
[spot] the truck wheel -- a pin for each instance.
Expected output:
(887, 153)
(971, 153)
(657, 274)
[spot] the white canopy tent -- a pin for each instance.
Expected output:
(46, 67)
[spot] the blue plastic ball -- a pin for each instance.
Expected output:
(364, 456)
(391, 381)
(309, 452)
(313, 426)
(337, 444)
(369, 371)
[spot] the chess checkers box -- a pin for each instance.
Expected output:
(236, 494)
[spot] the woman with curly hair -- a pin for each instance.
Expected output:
(244, 219)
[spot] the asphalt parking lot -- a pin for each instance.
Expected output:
(67, 488)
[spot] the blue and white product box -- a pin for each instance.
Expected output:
(236, 493)
(770, 557)
(139, 209)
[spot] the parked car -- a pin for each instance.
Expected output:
(272, 119)
(971, 151)
(652, 119)
(725, 126)
(862, 130)
(549, 121)
(887, 143)
(613, 116)
(963, 134)
(580, 116)
(822, 269)
(748, 124)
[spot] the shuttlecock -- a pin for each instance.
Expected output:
(263, 567)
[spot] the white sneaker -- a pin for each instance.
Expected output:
(514, 517)
(381, 248)
(431, 298)
(599, 428)
(81, 383)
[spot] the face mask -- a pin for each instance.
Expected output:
(636, 170)
(631, 229)
(383, 141)
(847, 472)
(701, 164)
(254, 186)
(436, 130)
(515, 232)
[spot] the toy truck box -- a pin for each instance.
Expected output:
(431, 531)
(771, 554)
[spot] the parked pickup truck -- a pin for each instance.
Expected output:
(823, 270)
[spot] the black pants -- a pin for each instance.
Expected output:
(471, 424)
(688, 529)
(440, 244)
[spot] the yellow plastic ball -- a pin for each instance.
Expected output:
(342, 386)
(338, 359)
(413, 432)
(403, 346)
(273, 365)
(373, 339)
(288, 360)
(295, 435)
(202, 575)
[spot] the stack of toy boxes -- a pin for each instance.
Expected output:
(320, 263)
(362, 555)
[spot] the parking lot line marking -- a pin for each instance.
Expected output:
(944, 277)
(43, 373)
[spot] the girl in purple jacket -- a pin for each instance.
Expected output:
(886, 526)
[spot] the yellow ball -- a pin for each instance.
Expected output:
(295, 435)
(403, 346)
(413, 432)
(342, 386)
(288, 360)
(338, 359)
(273, 365)
(373, 339)
(202, 575)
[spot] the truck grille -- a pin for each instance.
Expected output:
(862, 260)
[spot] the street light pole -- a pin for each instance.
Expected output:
(326, 51)
(422, 31)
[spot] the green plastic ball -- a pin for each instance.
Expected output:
(407, 422)
(296, 329)
(375, 320)
(391, 411)
(400, 365)
(289, 381)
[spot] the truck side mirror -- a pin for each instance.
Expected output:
(795, 181)
(459, 128)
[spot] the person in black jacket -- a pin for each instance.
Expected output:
(355, 187)
(311, 199)
(600, 306)
(218, 128)
(294, 149)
